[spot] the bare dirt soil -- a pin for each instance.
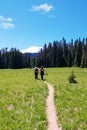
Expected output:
(50, 110)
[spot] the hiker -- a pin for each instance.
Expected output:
(42, 72)
(36, 70)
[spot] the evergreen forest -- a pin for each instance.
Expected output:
(56, 54)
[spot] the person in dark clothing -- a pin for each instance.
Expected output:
(36, 70)
(42, 72)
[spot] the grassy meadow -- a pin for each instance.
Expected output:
(23, 99)
(70, 99)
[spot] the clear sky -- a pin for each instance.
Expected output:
(27, 23)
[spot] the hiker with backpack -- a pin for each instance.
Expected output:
(42, 72)
(36, 71)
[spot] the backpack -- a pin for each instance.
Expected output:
(41, 71)
(36, 70)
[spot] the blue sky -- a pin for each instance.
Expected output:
(27, 23)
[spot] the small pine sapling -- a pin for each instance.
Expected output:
(72, 77)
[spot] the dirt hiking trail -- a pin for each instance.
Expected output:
(50, 110)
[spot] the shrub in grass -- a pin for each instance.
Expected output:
(70, 99)
(72, 78)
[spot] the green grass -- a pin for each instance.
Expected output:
(22, 101)
(70, 99)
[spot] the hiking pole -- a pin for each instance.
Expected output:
(46, 73)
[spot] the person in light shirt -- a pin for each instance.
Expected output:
(36, 71)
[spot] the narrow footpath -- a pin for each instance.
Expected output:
(50, 110)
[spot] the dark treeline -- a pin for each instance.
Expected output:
(63, 54)
(13, 59)
(56, 54)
